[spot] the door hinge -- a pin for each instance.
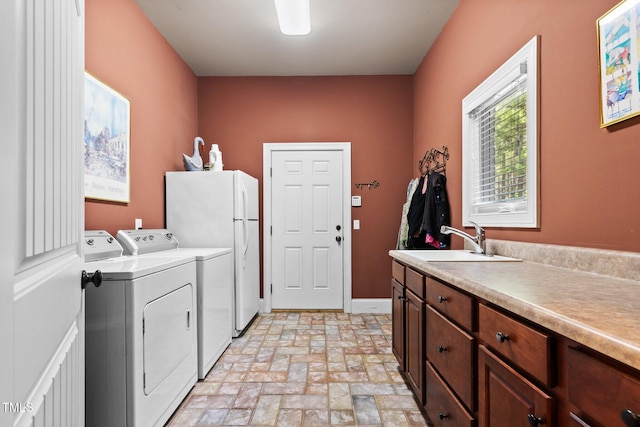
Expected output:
(144, 380)
(271, 230)
(271, 172)
(272, 289)
(143, 326)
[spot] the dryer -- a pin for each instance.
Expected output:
(214, 278)
(141, 341)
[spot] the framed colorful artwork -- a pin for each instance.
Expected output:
(618, 31)
(107, 142)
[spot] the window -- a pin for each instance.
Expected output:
(500, 145)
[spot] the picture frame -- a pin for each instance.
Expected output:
(107, 142)
(618, 33)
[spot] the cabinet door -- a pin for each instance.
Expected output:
(397, 322)
(601, 391)
(507, 399)
(415, 343)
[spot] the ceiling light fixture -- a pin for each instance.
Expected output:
(294, 17)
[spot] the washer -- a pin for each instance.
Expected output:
(214, 277)
(141, 340)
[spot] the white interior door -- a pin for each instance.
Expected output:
(308, 229)
(42, 373)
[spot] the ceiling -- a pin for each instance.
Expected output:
(348, 37)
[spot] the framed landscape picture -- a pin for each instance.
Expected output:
(107, 141)
(618, 31)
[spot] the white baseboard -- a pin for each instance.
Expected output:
(371, 305)
(361, 305)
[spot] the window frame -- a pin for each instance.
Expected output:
(500, 79)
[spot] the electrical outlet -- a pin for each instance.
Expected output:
(138, 223)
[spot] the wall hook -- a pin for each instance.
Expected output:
(374, 184)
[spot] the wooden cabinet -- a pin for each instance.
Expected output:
(508, 399)
(601, 392)
(397, 322)
(471, 362)
(415, 339)
(408, 329)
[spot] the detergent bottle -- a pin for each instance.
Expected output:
(215, 158)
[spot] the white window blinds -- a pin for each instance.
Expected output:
(501, 141)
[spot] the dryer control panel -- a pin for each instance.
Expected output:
(99, 244)
(138, 242)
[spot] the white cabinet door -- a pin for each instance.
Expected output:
(41, 301)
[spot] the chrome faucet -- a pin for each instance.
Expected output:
(477, 241)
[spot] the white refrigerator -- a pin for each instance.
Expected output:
(220, 210)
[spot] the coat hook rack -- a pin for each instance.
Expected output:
(434, 160)
(374, 184)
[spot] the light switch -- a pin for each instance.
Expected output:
(356, 224)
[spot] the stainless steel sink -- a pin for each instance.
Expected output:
(455, 256)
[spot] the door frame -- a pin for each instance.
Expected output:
(267, 150)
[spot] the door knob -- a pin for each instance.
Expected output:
(338, 227)
(95, 278)
(338, 239)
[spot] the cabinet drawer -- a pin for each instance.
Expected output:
(526, 347)
(415, 282)
(601, 391)
(450, 350)
(397, 271)
(458, 306)
(442, 406)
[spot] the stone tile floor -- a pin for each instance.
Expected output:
(305, 369)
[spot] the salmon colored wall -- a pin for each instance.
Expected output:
(125, 51)
(589, 176)
(374, 113)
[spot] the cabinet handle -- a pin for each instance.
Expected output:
(534, 421)
(502, 337)
(442, 416)
(442, 349)
(629, 418)
(441, 299)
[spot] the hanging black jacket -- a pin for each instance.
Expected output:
(415, 215)
(436, 209)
